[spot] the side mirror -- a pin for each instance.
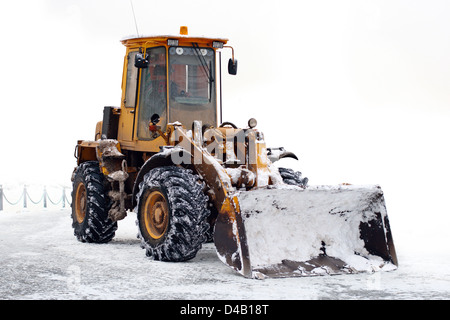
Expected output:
(232, 66)
(141, 60)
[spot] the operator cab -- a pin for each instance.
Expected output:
(174, 77)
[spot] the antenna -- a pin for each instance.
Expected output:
(134, 16)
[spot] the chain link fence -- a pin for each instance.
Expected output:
(32, 196)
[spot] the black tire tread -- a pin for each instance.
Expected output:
(293, 177)
(188, 212)
(96, 227)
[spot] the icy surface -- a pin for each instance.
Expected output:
(41, 259)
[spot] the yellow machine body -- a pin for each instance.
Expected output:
(169, 116)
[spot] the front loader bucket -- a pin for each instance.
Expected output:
(290, 231)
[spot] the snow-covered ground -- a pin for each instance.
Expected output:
(41, 259)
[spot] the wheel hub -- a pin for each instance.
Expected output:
(80, 203)
(156, 215)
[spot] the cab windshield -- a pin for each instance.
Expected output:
(192, 94)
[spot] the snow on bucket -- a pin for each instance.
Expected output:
(318, 230)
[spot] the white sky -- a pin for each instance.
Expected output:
(360, 90)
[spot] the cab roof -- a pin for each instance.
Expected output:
(153, 40)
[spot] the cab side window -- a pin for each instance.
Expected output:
(153, 93)
(132, 74)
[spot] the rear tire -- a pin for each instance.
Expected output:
(90, 205)
(171, 211)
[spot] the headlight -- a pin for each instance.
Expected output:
(217, 44)
(252, 123)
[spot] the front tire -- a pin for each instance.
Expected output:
(172, 212)
(90, 205)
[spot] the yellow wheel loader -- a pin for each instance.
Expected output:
(191, 178)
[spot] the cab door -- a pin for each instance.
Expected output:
(129, 94)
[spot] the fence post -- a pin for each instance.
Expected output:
(1, 197)
(24, 196)
(64, 197)
(45, 197)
